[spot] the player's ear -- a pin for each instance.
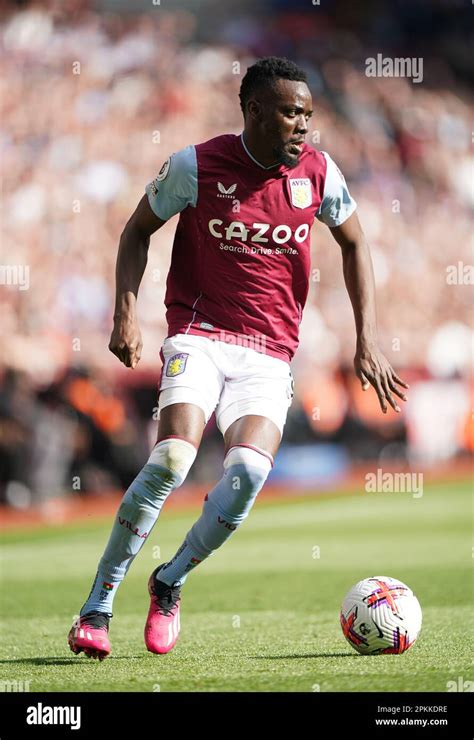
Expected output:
(254, 109)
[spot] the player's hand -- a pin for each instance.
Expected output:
(126, 341)
(372, 368)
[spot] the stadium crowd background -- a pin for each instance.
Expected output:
(93, 102)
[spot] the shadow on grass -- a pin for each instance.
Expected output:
(57, 660)
(304, 655)
(80, 660)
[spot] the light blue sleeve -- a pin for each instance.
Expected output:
(176, 185)
(337, 204)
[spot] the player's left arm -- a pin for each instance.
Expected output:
(371, 366)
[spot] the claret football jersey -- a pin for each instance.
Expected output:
(241, 254)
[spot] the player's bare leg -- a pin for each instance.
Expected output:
(183, 420)
(251, 442)
(253, 430)
(180, 432)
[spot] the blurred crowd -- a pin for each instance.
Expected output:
(94, 101)
(85, 433)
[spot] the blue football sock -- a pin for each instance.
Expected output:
(225, 508)
(136, 517)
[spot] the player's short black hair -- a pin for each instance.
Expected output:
(265, 72)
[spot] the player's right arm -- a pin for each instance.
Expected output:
(126, 339)
(173, 190)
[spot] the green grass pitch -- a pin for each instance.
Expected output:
(261, 614)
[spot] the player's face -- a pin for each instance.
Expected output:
(285, 115)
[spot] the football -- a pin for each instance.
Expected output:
(380, 615)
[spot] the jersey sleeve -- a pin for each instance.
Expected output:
(337, 204)
(176, 185)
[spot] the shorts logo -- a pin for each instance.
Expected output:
(176, 364)
(301, 195)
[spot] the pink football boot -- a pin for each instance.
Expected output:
(89, 633)
(162, 624)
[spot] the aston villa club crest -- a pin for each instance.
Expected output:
(301, 192)
(176, 364)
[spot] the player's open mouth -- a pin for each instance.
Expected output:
(297, 145)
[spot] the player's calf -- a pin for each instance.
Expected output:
(229, 503)
(224, 510)
(165, 470)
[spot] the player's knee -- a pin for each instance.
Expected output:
(246, 472)
(166, 469)
(252, 463)
(252, 458)
(247, 481)
(174, 455)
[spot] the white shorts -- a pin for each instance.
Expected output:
(231, 379)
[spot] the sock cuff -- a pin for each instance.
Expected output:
(250, 455)
(176, 436)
